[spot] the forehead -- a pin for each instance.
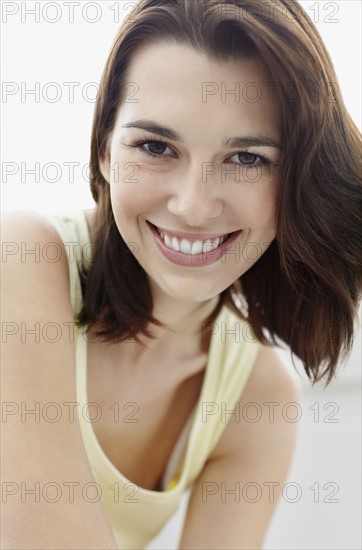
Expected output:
(173, 82)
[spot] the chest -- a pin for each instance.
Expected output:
(141, 408)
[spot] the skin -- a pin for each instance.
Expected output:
(171, 191)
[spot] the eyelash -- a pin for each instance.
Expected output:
(139, 145)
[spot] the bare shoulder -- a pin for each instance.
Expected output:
(18, 220)
(36, 307)
(32, 250)
(271, 376)
(271, 389)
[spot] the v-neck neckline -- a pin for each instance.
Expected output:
(82, 372)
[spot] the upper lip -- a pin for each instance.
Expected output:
(191, 236)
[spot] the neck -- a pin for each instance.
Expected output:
(181, 319)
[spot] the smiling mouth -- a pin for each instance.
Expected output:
(194, 247)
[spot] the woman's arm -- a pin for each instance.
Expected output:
(44, 463)
(236, 494)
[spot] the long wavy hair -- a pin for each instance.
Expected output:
(305, 289)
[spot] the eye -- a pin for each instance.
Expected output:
(249, 159)
(157, 145)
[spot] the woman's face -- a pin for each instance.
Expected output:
(194, 183)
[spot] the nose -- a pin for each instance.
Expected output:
(196, 199)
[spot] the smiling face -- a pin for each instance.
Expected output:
(195, 184)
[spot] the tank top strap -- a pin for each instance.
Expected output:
(73, 230)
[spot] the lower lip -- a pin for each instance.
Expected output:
(193, 260)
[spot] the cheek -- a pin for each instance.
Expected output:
(123, 187)
(257, 208)
(131, 185)
(130, 202)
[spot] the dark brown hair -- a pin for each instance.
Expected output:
(305, 289)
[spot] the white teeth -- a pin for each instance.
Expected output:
(185, 246)
(175, 244)
(197, 247)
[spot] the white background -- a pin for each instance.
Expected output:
(53, 133)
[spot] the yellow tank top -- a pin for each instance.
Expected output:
(136, 515)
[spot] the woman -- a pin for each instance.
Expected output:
(225, 174)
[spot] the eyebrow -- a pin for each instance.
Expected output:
(244, 141)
